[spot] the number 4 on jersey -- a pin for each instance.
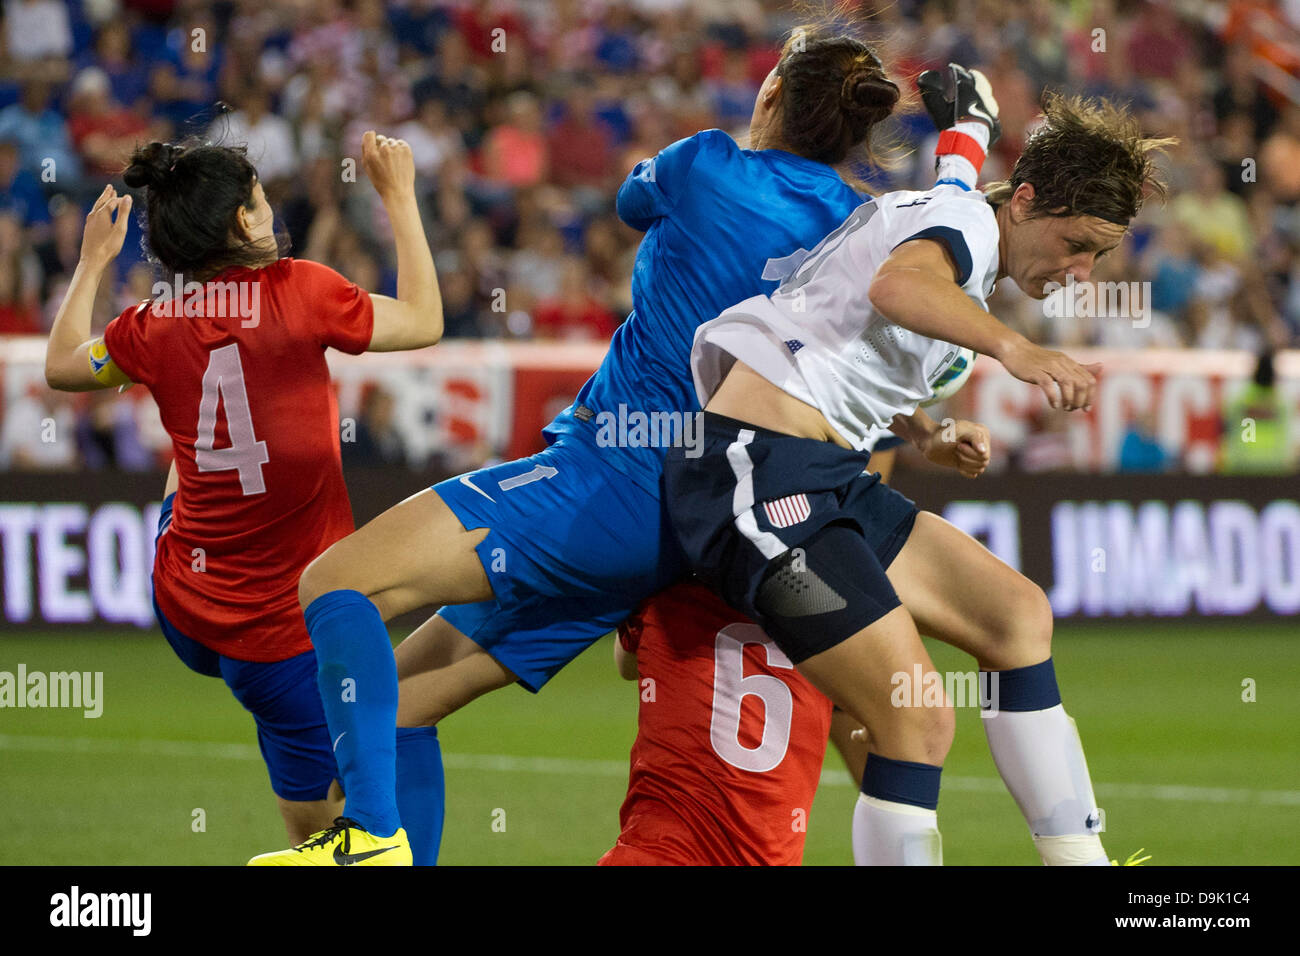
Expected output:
(223, 384)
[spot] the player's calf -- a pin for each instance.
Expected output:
(302, 818)
(859, 676)
(1039, 755)
(895, 821)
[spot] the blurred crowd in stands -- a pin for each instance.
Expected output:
(526, 115)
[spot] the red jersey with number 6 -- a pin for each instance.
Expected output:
(730, 739)
(239, 375)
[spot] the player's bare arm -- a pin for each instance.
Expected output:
(70, 361)
(414, 319)
(916, 288)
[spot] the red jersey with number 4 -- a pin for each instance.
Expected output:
(730, 740)
(244, 393)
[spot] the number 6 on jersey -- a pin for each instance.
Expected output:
(223, 383)
(731, 687)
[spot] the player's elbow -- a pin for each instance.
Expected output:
(622, 202)
(58, 376)
(53, 379)
(625, 207)
(424, 322)
(885, 292)
(434, 325)
(403, 326)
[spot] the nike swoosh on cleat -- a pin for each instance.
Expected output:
(347, 859)
(464, 480)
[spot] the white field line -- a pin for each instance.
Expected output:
(577, 766)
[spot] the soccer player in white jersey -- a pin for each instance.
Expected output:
(777, 515)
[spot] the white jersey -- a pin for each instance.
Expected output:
(818, 337)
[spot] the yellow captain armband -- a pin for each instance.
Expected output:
(103, 367)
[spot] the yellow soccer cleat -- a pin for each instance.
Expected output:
(1131, 861)
(343, 844)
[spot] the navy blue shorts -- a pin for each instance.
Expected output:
(283, 698)
(754, 498)
(575, 545)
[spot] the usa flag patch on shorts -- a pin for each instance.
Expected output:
(787, 511)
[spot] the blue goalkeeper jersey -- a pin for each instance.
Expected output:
(713, 216)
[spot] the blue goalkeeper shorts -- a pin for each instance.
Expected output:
(575, 545)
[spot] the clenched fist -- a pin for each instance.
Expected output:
(388, 163)
(959, 444)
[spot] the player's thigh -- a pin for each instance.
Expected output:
(860, 675)
(433, 645)
(414, 554)
(439, 671)
(962, 594)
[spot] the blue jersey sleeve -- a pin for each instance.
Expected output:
(654, 186)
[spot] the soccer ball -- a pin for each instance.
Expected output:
(952, 378)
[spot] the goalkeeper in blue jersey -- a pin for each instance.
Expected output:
(536, 559)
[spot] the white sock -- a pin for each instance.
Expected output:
(1040, 757)
(895, 834)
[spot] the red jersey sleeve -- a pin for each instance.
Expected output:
(127, 341)
(340, 311)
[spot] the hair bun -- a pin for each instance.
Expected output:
(151, 166)
(867, 94)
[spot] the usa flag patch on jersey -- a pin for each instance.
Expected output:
(787, 511)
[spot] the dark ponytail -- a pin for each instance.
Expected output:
(834, 91)
(867, 94)
(151, 166)
(193, 193)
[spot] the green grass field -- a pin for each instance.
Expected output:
(1182, 765)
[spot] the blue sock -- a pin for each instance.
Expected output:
(1023, 688)
(357, 675)
(421, 798)
(901, 781)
